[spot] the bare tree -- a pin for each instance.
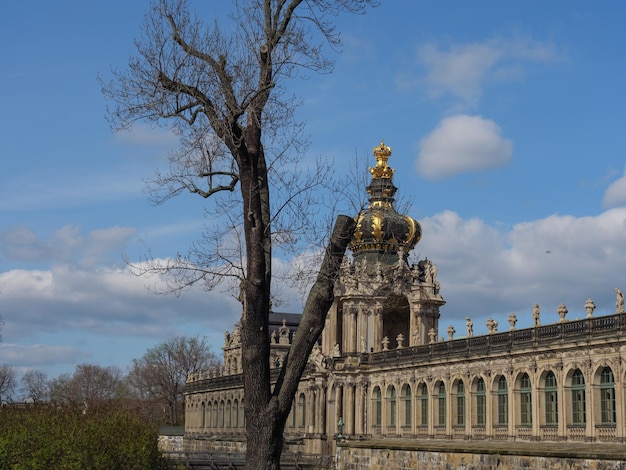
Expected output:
(222, 87)
(90, 386)
(160, 375)
(7, 382)
(35, 386)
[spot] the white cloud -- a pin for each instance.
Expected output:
(462, 70)
(41, 354)
(66, 245)
(485, 271)
(460, 144)
(615, 194)
(459, 71)
(144, 135)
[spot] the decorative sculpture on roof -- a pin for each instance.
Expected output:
(619, 302)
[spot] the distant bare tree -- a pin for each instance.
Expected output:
(222, 87)
(160, 375)
(7, 382)
(35, 386)
(90, 386)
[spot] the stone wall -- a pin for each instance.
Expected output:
(362, 457)
(170, 443)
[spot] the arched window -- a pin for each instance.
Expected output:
(221, 414)
(525, 401)
(209, 420)
(460, 403)
(406, 398)
(203, 415)
(293, 413)
(423, 398)
(481, 403)
(392, 408)
(578, 398)
(236, 413)
(441, 404)
(377, 400)
(607, 396)
(215, 414)
(228, 416)
(552, 400)
(301, 410)
(313, 409)
(503, 401)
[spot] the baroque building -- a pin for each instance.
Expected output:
(383, 369)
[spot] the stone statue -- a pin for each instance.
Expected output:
(363, 344)
(512, 320)
(428, 272)
(226, 338)
(590, 306)
(619, 302)
(451, 332)
(433, 272)
(536, 315)
(492, 326)
(274, 338)
(236, 337)
(416, 336)
(432, 336)
(562, 311)
(336, 351)
(470, 326)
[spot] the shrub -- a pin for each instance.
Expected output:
(46, 437)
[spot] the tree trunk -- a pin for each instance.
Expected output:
(266, 421)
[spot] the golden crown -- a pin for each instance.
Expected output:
(382, 154)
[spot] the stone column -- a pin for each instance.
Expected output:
(348, 407)
(338, 406)
(309, 427)
(320, 424)
(492, 400)
(359, 400)
(378, 326)
(591, 396)
(362, 332)
(415, 325)
(345, 340)
(619, 404)
(535, 407)
(564, 396)
(330, 329)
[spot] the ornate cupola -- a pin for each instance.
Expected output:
(382, 235)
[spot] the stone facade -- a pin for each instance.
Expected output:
(384, 370)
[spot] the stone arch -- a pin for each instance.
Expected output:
(422, 398)
(459, 393)
(377, 406)
(548, 386)
(604, 400)
(391, 407)
(405, 406)
(440, 402)
(576, 399)
(479, 404)
(396, 317)
(522, 387)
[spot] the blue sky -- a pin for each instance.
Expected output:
(507, 123)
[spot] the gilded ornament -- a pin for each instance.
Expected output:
(377, 226)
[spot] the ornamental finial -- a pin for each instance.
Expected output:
(382, 170)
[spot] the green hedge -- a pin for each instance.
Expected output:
(45, 437)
